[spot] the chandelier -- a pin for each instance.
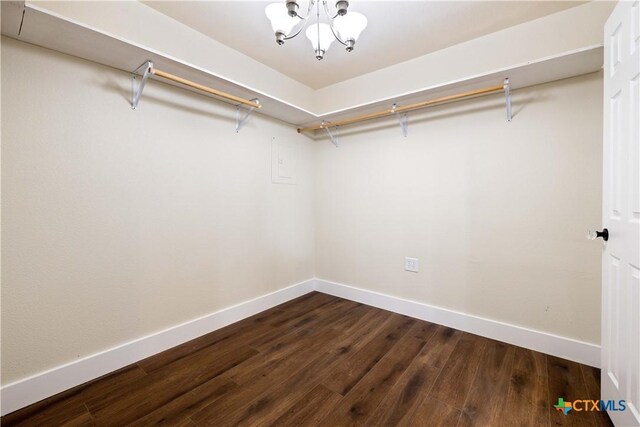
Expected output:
(344, 27)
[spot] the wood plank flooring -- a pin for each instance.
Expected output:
(322, 360)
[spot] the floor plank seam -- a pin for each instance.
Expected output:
(93, 418)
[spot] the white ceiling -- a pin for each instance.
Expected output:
(397, 31)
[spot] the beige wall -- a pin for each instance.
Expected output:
(496, 212)
(117, 224)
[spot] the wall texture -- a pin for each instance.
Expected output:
(496, 212)
(117, 224)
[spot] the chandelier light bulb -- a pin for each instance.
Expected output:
(321, 38)
(281, 22)
(349, 27)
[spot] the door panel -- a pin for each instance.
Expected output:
(621, 215)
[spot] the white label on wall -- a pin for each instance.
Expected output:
(284, 159)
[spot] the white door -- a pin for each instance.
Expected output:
(621, 214)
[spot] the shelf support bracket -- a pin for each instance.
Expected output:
(332, 136)
(143, 72)
(507, 94)
(402, 119)
(241, 119)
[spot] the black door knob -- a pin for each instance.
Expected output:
(593, 235)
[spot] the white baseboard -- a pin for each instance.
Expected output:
(45, 384)
(566, 348)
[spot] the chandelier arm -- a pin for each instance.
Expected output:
(311, 3)
(326, 10)
(333, 30)
(304, 20)
(335, 34)
(302, 27)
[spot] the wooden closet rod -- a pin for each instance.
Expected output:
(215, 92)
(404, 109)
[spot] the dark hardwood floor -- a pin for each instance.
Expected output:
(322, 360)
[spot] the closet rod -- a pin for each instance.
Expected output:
(215, 92)
(404, 109)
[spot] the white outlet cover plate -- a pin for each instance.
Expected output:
(411, 264)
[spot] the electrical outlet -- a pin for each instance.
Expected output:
(411, 264)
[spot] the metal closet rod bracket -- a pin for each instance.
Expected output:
(507, 94)
(137, 84)
(402, 119)
(241, 119)
(333, 136)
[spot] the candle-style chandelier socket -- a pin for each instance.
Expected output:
(343, 25)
